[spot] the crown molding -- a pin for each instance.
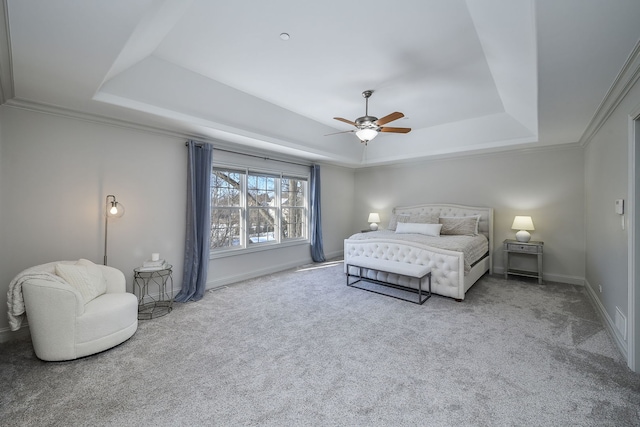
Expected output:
(626, 79)
(42, 108)
(500, 151)
(55, 110)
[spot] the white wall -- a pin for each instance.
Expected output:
(606, 179)
(545, 183)
(55, 172)
(338, 193)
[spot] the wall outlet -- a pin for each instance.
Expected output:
(600, 286)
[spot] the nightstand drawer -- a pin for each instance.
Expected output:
(523, 248)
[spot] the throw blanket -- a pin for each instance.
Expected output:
(15, 300)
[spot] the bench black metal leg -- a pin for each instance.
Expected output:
(420, 301)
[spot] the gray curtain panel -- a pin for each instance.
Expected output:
(198, 235)
(317, 251)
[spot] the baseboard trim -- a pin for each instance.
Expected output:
(224, 281)
(611, 326)
(212, 284)
(550, 277)
(335, 254)
(7, 335)
(561, 278)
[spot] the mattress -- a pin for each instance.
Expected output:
(474, 248)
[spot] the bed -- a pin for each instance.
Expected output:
(457, 257)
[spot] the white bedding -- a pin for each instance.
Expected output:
(473, 247)
(454, 268)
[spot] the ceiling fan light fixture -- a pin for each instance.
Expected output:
(366, 134)
(368, 127)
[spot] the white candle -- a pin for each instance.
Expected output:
(155, 256)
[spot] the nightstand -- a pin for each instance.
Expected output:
(530, 248)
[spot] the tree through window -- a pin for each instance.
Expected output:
(250, 209)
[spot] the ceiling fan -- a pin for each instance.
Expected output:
(367, 127)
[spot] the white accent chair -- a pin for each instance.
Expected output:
(63, 327)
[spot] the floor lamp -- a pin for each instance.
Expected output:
(113, 209)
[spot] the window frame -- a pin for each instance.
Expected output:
(280, 241)
(240, 205)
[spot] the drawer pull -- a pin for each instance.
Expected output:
(523, 248)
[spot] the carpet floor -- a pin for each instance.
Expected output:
(300, 348)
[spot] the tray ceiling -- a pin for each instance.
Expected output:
(468, 75)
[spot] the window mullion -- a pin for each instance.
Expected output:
(278, 221)
(245, 208)
(307, 210)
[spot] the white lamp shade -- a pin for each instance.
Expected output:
(373, 217)
(522, 223)
(366, 134)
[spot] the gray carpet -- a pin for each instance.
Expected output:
(300, 348)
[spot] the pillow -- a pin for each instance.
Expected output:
(85, 276)
(460, 225)
(395, 219)
(412, 227)
(424, 219)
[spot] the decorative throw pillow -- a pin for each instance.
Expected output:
(416, 228)
(424, 219)
(85, 276)
(395, 219)
(460, 225)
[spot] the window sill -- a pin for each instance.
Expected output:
(257, 248)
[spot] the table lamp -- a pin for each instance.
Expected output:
(523, 224)
(374, 218)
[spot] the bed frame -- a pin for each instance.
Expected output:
(447, 267)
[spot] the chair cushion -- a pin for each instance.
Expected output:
(106, 315)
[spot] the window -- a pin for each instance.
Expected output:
(226, 208)
(261, 201)
(252, 209)
(293, 202)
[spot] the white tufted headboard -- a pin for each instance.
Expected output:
(485, 225)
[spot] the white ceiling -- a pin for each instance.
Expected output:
(469, 75)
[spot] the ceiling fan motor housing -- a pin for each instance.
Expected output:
(366, 122)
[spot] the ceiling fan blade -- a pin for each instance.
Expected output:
(389, 118)
(395, 130)
(345, 120)
(344, 131)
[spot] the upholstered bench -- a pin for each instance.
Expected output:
(419, 272)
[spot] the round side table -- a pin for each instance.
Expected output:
(150, 304)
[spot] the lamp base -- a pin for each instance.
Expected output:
(523, 236)
(373, 226)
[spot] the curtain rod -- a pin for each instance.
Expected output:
(251, 155)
